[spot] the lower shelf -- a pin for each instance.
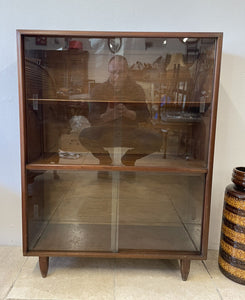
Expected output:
(100, 237)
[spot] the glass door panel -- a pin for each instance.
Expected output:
(111, 211)
(160, 211)
(120, 101)
(71, 211)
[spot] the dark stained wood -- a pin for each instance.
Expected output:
(185, 268)
(119, 33)
(135, 254)
(22, 115)
(192, 168)
(43, 264)
(167, 168)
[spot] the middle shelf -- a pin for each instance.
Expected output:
(85, 161)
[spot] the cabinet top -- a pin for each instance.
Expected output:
(118, 33)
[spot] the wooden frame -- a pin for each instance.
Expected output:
(184, 256)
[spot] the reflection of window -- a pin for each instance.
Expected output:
(98, 45)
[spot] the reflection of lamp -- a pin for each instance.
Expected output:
(189, 40)
(114, 44)
(176, 61)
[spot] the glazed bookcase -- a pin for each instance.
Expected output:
(158, 208)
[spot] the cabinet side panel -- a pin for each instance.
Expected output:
(208, 186)
(20, 55)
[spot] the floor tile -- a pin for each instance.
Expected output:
(68, 278)
(227, 288)
(11, 262)
(161, 279)
(112, 279)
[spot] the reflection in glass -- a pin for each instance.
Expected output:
(146, 104)
(117, 107)
(164, 212)
(66, 211)
(81, 211)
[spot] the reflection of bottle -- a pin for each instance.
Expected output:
(176, 60)
(202, 101)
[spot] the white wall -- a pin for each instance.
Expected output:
(124, 15)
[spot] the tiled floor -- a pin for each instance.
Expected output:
(86, 278)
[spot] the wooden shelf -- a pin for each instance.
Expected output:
(152, 163)
(61, 236)
(86, 100)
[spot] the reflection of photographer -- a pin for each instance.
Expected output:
(117, 106)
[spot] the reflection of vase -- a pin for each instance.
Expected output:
(232, 243)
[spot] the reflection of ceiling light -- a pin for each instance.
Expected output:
(185, 40)
(164, 43)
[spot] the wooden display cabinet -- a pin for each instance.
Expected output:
(117, 143)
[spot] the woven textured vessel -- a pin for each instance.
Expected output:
(232, 243)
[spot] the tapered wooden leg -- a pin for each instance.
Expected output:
(43, 264)
(185, 268)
